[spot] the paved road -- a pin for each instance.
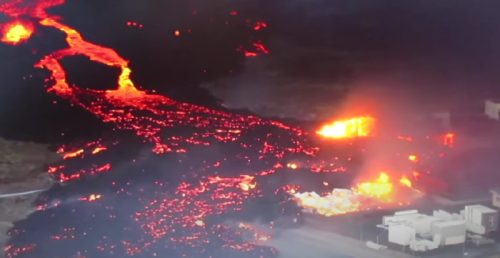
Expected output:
(309, 241)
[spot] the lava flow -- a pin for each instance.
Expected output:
(205, 167)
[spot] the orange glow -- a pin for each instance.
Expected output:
(292, 166)
(413, 158)
(381, 188)
(17, 32)
(449, 140)
(350, 128)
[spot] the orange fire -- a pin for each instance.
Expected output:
(342, 201)
(362, 126)
(380, 189)
(17, 32)
(339, 201)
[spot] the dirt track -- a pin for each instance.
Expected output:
(22, 168)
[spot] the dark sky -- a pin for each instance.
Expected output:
(325, 55)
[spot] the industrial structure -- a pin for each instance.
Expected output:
(421, 232)
(492, 109)
(495, 197)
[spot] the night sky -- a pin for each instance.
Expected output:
(324, 55)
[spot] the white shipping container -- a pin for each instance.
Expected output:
(401, 234)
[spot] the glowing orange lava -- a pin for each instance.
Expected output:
(350, 128)
(16, 32)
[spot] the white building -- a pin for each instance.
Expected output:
(495, 193)
(423, 232)
(492, 109)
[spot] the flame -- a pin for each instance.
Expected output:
(350, 128)
(339, 201)
(17, 32)
(380, 189)
(342, 201)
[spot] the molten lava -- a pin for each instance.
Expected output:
(16, 32)
(349, 128)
